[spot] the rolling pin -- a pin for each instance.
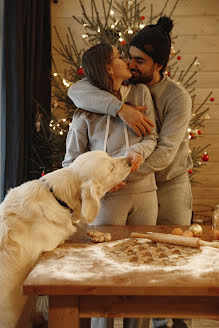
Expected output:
(175, 240)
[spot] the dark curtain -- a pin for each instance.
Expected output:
(27, 68)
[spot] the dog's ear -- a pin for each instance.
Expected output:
(90, 196)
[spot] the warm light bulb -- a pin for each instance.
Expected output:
(65, 82)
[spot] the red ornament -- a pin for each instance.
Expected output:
(190, 171)
(212, 99)
(142, 18)
(192, 136)
(80, 71)
(205, 157)
(43, 173)
(178, 57)
(199, 132)
(123, 42)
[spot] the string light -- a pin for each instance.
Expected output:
(111, 12)
(65, 82)
(196, 63)
(112, 26)
(142, 26)
(59, 127)
(55, 74)
(84, 36)
(121, 39)
(98, 30)
(130, 32)
(172, 51)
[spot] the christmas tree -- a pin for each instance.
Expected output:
(120, 22)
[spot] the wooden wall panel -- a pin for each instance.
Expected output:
(197, 31)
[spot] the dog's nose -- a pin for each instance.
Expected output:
(129, 161)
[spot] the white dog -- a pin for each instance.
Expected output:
(38, 215)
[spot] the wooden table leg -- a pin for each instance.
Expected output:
(63, 311)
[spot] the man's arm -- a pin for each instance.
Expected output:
(172, 133)
(88, 97)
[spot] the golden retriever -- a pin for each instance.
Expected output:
(38, 216)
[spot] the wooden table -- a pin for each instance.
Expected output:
(81, 285)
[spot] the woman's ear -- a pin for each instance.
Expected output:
(109, 70)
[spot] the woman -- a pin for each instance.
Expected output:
(135, 202)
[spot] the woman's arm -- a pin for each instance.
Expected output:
(149, 141)
(139, 152)
(77, 138)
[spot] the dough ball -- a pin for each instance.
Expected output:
(216, 234)
(107, 236)
(98, 239)
(196, 229)
(187, 233)
(177, 231)
(95, 233)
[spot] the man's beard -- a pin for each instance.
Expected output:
(140, 78)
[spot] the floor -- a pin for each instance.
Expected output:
(194, 323)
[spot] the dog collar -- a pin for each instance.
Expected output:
(58, 200)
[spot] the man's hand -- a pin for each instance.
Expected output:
(119, 186)
(135, 159)
(136, 120)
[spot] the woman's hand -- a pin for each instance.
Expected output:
(135, 160)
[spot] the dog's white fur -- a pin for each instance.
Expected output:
(32, 221)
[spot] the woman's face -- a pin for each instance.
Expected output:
(118, 68)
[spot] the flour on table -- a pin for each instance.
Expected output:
(127, 255)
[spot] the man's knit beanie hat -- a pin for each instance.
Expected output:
(154, 40)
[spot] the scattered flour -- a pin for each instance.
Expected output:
(89, 261)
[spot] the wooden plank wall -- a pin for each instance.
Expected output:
(197, 30)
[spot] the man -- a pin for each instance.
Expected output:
(149, 53)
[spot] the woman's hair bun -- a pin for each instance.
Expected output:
(165, 23)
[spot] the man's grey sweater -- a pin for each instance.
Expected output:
(88, 131)
(171, 159)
